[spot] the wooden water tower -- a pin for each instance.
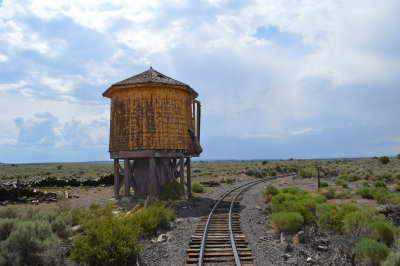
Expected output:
(155, 130)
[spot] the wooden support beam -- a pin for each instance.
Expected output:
(152, 177)
(182, 173)
(127, 177)
(116, 178)
(198, 120)
(188, 177)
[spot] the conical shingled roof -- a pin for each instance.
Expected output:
(148, 77)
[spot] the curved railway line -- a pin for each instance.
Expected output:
(218, 237)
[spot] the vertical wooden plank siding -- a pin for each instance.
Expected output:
(151, 117)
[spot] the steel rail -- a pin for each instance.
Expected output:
(204, 238)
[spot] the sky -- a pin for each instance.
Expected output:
(276, 79)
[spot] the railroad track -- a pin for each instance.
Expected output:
(218, 237)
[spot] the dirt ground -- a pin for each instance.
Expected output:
(79, 197)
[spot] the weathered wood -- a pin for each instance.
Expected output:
(198, 120)
(127, 177)
(152, 178)
(188, 177)
(182, 173)
(147, 154)
(116, 178)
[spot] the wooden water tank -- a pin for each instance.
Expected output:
(151, 111)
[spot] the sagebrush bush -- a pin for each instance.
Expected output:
(304, 173)
(380, 197)
(9, 212)
(107, 241)
(229, 180)
(325, 207)
(379, 183)
(198, 188)
(27, 241)
(384, 160)
(355, 223)
(61, 226)
(365, 193)
(270, 190)
(343, 195)
(287, 221)
(153, 217)
(171, 190)
(7, 225)
(393, 259)
(383, 231)
(320, 198)
(365, 183)
(370, 251)
(309, 203)
(328, 192)
(324, 183)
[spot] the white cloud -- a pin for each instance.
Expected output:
(3, 58)
(306, 130)
(7, 141)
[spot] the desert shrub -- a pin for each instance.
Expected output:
(343, 195)
(7, 225)
(393, 259)
(329, 216)
(370, 251)
(151, 218)
(341, 182)
(304, 173)
(328, 192)
(198, 188)
(365, 193)
(383, 231)
(353, 177)
(61, 226)
(342, 176)
(281, 197)
(270, 190)
(384, 160)
(380, 197)
(324, 208)
(287, 221)
(320, 198)
(229, 180)
(397, 187)
(107, 241)
(355, 223)
(171, 190)
(250, 171)
(378, 184)
(393, 198)
(324, 183)
(293, 190)
(310, 204)
(28, 240)
(364, 182)
(272, 173)
(9, 212)
(264, 162)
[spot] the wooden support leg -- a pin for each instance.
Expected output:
(116, 178)
(127, 177)
(188, 177)
(182, 173)
(152, 177)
